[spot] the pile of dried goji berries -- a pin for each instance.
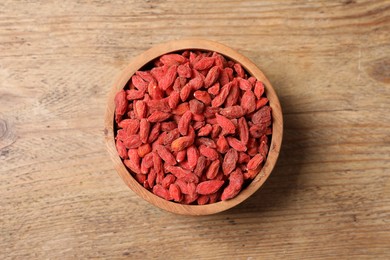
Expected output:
(193, 127)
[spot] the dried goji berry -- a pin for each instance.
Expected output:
(232, 112)
(213, 169)
(198, 124)
(206, 141)
(232, 98)
(183, 174)
(151, 178)
(168, 180)
(192, 156)
(262, 116)
(120, 147)
(214, 197)
(188, 199)
(140, 109)
(185, 92)
(168, 126)
(243, 157)
(146, 163)
(252, 80)
(202, 96)
(132, 141)
(144, 130)
(160, 105)
(198, 117)
(132, 127)
(161, 192)
(132, 166)
(259, 89)
(251, 174)
(186, 187)
(144, 150)
(181, 143)
(175, 193)
(239, 70)
(197, 81)
(255, 162)
(166, 155)
(261, 102)
(184, 122)
(257, 131)
(158, 116)
(141, 178)
(209, 112)
(225, 124)
(196, 106)
(248, 101)
(212, 76)
(209, 187)
(204, 63)
(203, 199)
(236, 180)
(216, 131)
(174, 99)
(229, 72)
(181, 156)
(229, 161)
(157, 162)
(184, 70)
(214, 89)
(220, 61)
(236, 144)
(222, 144)
(167, 80)
(139, 83)
(145, 75)
(154, 133)
(171, 136)
(263, 149)
(120, 105)
(205, 131)
(126, 122)
(243, 130)
(208, 152)
(133, 94)
(244, 84)
(200, 166)
(221, 97)
(224, 78)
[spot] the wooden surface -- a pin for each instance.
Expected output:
(329, 196)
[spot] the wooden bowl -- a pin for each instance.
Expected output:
(252, 69)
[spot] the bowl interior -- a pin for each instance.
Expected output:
(194, 44)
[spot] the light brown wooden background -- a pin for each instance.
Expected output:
(328, 197)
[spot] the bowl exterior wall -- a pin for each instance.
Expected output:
(251, 68)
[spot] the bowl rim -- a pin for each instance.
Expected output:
(193, 44)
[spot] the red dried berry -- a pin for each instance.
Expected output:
(166, 155)
(209, 153)
(184, 123)
(225, 124)
(255, 162)
(161, 192)
(209, 187)
(229, 161)
(236, 180)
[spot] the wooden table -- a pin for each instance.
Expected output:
(329, 196)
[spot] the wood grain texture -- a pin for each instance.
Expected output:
(328, 197)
